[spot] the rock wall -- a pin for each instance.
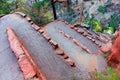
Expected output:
(107, 7)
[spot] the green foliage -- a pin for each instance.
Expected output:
(95, 24)
(39, 11)
(113, 24)
(5, 6)
(41, 5)
(114, 20)
(102, 9)
(92, 3)
(111, 74)
(109, 30)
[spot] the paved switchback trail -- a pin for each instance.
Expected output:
(66, 28)
(52, 66)
(84, 61)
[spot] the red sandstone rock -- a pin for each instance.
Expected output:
(28, 19)
(66, 35)
(46, 36)
(22, 14)
(80, 31)
(93, 40)
(26, 67)
(71, 26)
(16, 48)
(65, 56)
(75, 28)
(59, 51)
(84, 35)
(39, 73)
(76, 25)
(26, 63)
(114, 57)
(32, 22)
(89, 32)
(96, 42)
(36, 27)
(76, 41)
(14, 43)
(89, 37)
(106, 48)
(89, 51)
(54, 43)
(70, 61)
(41, 31)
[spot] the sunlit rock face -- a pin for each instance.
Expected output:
(110, 6)
(114, 58)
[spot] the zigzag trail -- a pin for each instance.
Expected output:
(49, 49)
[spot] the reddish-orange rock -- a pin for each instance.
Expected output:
(46, 36)
(76, 41)
(14, 43)
(38, 71)
(106, 48)
(66, 35)
(76, 25)
(96, 42)
(54, 43)
(114, 58)
(28, 19)
(75, 28)
(70, 61)
(71, 26)
(32, 22)
(84, 35)
(93, 40)
(16, 48)
(59, 51)
(26, 67)
(22, 14)
(41, 31)
(65, 56)
(89, 37)
(89, 51)
(36, 27)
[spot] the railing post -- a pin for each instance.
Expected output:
(54, 10)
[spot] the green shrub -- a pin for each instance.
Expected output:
(114, 22)
(39, 11)
(110, 74)
(6, 6)
(102, 9)
(95, 24)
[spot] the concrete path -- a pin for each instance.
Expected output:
(53, 66)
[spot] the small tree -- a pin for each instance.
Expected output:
(6, 6)
(38, 10)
